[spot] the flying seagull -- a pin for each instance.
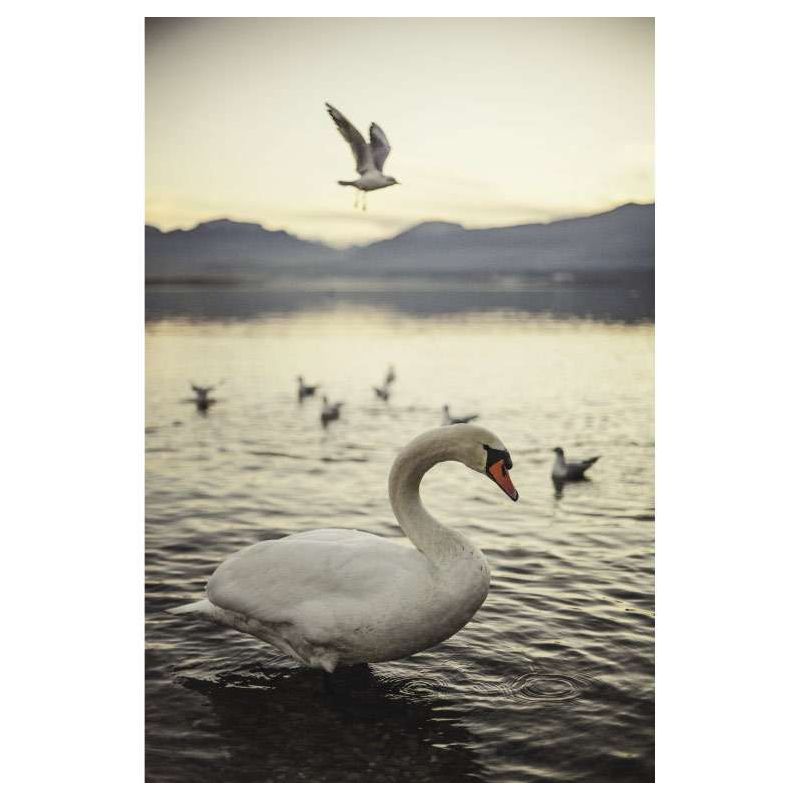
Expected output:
(370, 158)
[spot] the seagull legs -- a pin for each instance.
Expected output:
(364, 201)
(358, 193)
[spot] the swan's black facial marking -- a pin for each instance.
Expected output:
(498, 463)
(493, 456)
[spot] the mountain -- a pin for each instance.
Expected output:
(622, 240)
(223, 248)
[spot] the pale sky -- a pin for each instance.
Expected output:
(491, 121)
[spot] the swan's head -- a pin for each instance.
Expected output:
(480, 450)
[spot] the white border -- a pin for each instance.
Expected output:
(726, 400)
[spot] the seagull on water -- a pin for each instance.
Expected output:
(201, 398)
(370, 158)
(382, 392)
(303, 389)
(330, 411)
(564, 470)
(448, 419)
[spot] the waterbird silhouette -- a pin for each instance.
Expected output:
(564, 470)
(448, 419)
(330, 411)
(305, 390)
(201, 398)
(382, 392)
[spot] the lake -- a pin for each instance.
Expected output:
(553, 679)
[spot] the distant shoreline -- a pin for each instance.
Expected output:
(314, 281)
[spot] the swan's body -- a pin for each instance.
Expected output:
(332, 597)
(564, 470)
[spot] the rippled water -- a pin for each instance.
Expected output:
(553, 680)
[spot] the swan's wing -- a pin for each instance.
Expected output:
(331, 570)
(361, 150)
(379, 145)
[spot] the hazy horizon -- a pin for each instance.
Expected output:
(493, 122)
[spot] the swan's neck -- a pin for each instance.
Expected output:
(438, 542)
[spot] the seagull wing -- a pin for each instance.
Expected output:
(361, 150)
(379, 145)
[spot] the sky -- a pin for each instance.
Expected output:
(492, 121)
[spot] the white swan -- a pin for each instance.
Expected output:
(332, 597)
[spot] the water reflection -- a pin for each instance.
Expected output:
(287, 725)
(629, 298)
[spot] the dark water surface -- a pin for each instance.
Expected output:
(553, 680)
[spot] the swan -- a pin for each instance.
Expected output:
(448, 420)
(564, 470)
(332, 597)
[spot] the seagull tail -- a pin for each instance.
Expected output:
(346, 183)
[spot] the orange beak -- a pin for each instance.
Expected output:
(499, 474)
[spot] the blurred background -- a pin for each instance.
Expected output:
(510, 275)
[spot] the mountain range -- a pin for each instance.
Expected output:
(621, 240)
